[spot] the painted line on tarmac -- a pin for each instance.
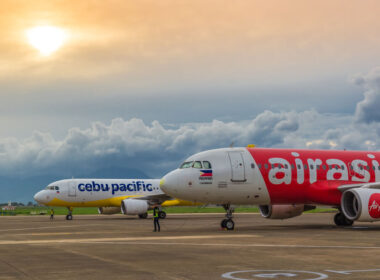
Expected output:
(37, 228)
(54, 227)
(114, 239)
(240, 245)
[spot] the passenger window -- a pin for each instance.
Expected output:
(305, 166)
(286, 166)
(318, 167)
(266, 166)
(311, 167)
(197, 164)
(206, 165)
(324, 167)
(260, 166)
(342, 167)
(336, 167)
(373, 167)
(273, 166)
(186, 164)
(298, 166)
(252, 165)
(292, 165)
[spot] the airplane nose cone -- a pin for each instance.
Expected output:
(39, 197)
(169, 183)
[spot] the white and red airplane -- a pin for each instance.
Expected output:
(283, 182)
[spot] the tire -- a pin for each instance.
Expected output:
(340, 220)
(161, 214)
(229, 224)
(223, 223)
(143, 216)
(69, 217)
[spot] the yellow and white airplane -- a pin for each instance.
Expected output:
(111, 196)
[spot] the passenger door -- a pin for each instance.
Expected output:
(237, 167)
(72, 189)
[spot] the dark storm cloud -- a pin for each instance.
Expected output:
(367, 110)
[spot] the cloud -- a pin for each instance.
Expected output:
(134, 144)
(155, 148)
(367, 110)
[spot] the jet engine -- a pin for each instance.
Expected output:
(108, 210)
(132, 206)
(285, 211)
(362, 204)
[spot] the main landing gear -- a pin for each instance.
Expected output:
(228, 223)
(162, 214)
(341, 220)
(69, 216)
(143, 216)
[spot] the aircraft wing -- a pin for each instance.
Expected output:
(154, 199)
(374, 185)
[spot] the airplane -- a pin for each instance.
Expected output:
(111, 196)
(282, 182)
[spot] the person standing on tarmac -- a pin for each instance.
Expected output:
(51, 214)
(156, 219)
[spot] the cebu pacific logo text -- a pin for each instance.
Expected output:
(374, 206)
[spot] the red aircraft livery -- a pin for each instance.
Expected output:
(283, 182)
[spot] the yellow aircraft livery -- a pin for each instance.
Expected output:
(130, 196)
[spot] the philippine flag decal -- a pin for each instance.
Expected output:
(205, 176)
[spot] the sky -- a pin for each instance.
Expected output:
(138, 86)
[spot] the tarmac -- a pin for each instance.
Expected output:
(189, 246)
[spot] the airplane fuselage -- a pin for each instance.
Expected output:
(271, 176)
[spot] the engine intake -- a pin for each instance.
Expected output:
(108, 210)
(285, 211)
(361, 204)
(132, 206)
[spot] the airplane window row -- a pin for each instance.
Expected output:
(196, 164)
(52, 188)
(305, 166)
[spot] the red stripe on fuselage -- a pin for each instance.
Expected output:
(315, 185)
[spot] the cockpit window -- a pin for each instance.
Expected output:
(56, 188)
(197, 164)
(206, 165)
(186, 164)
(52, 188)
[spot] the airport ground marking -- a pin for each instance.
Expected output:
(235, 245)
(97, 240)
(275, 274)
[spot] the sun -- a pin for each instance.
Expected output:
(46, 39)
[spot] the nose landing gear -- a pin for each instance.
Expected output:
(228, 223)
(69, 216)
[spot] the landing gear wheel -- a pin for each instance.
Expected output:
(229, 224)
(143, 216)
(161, 214)
(341, 220)
(223, 223)
(69, 217)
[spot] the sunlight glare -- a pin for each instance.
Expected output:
(46, 39)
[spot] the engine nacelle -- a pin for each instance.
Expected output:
(109, 210)
(361, 204)
(285, 211)
(132, 206)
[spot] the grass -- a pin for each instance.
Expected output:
(170, 210)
